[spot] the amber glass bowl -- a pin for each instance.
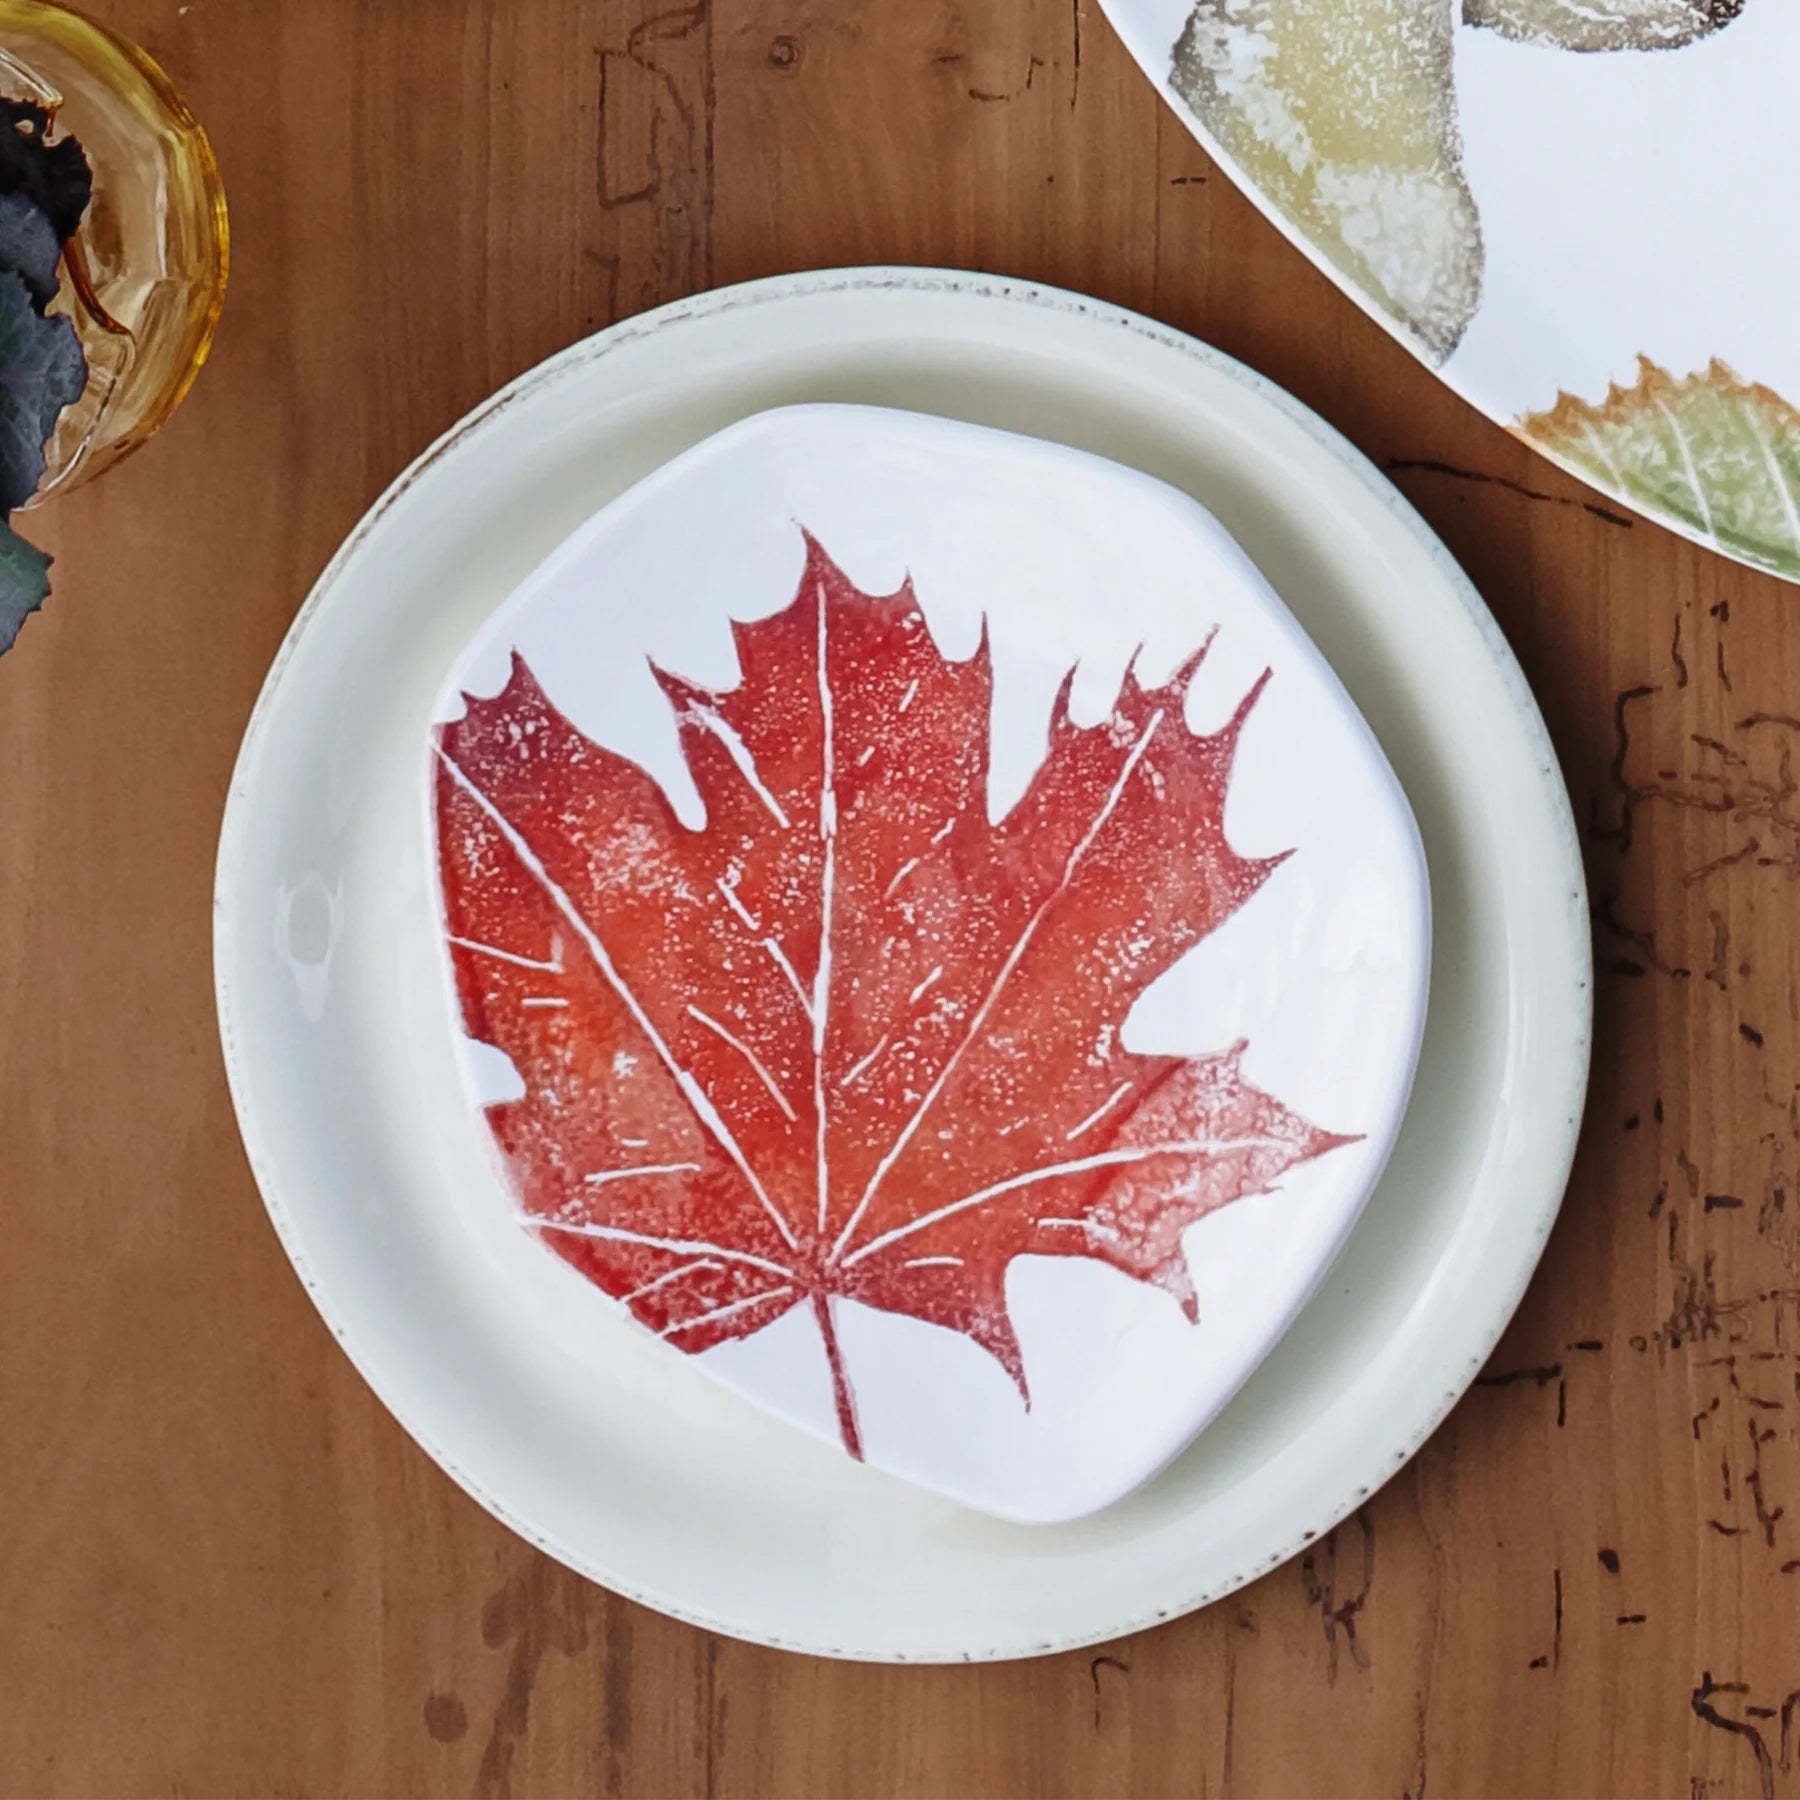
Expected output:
(144, 277)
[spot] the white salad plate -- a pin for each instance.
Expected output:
(548, 1403)
(922, 918)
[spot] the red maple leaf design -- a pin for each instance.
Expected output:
(849, 1039)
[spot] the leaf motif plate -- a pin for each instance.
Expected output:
(567, 1419)
(932, 941)
(1575, 213)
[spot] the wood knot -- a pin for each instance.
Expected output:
(446, 1718)
(784, 54)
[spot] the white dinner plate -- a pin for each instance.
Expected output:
(630, 1465)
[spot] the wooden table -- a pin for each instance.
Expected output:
(227, 1571)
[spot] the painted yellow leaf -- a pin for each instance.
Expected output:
(1344, 118)
(1719, 454)
(1603, 24)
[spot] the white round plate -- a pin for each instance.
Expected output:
(628, 1464)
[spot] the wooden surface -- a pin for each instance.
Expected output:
(224, 1570)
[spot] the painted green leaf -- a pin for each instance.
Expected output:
(1344, 118)
(1717, 453)
(1603, 24)
(24, 583)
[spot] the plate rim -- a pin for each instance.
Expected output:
(879, 279)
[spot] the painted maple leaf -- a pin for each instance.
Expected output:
(849, 1040)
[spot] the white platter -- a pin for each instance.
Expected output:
(630, 1465)
(1570, 209)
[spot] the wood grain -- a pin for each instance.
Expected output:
(226, 1571)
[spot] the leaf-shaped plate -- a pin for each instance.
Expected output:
(567, 1419)
(934, 941)
(1498, 183)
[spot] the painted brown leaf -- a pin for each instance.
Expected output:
(1603, 24)
(849, 1040)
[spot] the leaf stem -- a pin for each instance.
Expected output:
(840, 1382)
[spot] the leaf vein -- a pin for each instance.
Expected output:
(691, 1091)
